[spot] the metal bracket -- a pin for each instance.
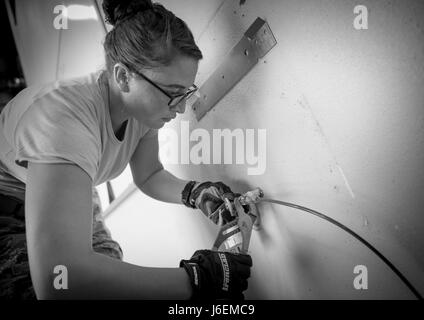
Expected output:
(255, 44)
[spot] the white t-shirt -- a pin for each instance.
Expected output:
(66, 122)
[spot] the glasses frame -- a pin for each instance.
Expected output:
(173, 100)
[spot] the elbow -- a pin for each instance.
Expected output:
(58, 278)
(43, 280)
(145, 184)
(44, 293)
(53, 283)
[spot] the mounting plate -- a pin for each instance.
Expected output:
(255, 44)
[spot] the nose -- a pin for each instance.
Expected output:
(180, 108)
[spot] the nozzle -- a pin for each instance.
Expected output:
(251, 197)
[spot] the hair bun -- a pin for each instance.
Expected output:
(116, 10)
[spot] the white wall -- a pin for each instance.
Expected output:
(343, 110)
(48, 53)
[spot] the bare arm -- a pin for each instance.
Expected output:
(59, 229)
(150, 176)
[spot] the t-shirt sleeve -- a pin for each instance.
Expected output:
(52, 131)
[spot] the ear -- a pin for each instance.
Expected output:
(121, 76)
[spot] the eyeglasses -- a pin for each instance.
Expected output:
(173, 100)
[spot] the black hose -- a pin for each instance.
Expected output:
(381, 256)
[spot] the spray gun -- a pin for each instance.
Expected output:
(234, 236)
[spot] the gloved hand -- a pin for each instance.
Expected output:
(208, 196)
(217, 274)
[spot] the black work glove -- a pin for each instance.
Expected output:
(207, 197)
(218, 274)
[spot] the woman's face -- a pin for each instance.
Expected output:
(148, 104)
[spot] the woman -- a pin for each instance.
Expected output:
(60, 140)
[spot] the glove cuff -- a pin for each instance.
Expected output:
(193, 271)
(185, 194)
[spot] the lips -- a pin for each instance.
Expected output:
(168, 119)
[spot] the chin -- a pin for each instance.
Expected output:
(156, 125)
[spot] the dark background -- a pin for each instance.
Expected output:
(11, 75)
